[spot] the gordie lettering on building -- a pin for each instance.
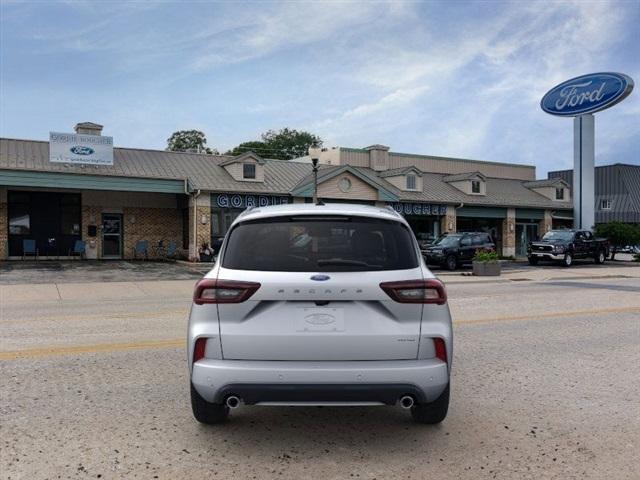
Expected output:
(587, 94)
(225, 200)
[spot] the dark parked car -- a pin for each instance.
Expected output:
(566, 245)
(455, 249)
(424, 240)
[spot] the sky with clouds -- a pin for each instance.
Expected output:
(450, 78)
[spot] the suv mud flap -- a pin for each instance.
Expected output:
(252, 393)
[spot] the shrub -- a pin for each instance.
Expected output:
(483, 256)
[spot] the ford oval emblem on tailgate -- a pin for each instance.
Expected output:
(320, 278)
(319, 319)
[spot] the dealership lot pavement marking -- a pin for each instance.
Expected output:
(72, 350)
(178, 342)
(543, 388)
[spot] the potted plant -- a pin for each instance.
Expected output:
(486, 264)
(205, 252)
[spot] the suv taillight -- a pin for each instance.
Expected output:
(199, 349)
(416, 291)
(209, 290)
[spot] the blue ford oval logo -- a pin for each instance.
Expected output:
(320, 278)
(79, 150)
(587, 94)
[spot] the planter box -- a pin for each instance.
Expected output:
(486, 269)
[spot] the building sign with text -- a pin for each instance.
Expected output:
(80, 149)
(238, 200)
(406, 208)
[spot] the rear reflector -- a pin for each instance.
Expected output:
(199, 348)
(441, 349)
(209, 290)
(416, 291)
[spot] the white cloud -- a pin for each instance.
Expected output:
(484, 81)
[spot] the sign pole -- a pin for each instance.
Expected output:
(579, 98)
(583, 171)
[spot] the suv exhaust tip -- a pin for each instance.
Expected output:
(406, 402)
(233, 402)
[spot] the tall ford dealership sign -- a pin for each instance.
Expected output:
(77, 148)
(580, 97)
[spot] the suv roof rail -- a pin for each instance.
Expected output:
(390, 208)
(246, 210)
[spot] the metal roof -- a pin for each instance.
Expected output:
(463, 176)
(205, 172)
(547, 182)
(392, 172)
(620, 184)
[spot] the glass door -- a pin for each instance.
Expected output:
(525, 233)
(111, 235)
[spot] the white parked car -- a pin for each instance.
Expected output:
(320, 305)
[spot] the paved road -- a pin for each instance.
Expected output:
(545, 385)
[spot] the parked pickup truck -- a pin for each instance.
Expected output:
(565, 246)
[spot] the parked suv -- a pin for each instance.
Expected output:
(455, 249)
(319, 305)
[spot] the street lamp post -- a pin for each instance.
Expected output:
(314, 153)
(314, 161)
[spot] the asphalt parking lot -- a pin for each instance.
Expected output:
(545, 385)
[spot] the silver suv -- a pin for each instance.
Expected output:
(320, 305)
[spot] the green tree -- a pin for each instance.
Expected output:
(283, 144)
(619, 234)
(188, 141)
(257, 147)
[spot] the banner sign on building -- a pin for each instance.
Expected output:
(406, 208)
(226, 200)
(80, 149)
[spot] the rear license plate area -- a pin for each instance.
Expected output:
(320, 319)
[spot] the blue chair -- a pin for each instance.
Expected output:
(142, 249)
(29, 248)
(79, 248)
(172, 248)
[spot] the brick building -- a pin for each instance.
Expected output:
(190, 199)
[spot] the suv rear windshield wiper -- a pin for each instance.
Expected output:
(346, 262)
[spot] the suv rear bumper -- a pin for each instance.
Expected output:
(319, 382)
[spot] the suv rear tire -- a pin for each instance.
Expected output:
(206, 412)
(434, 412)
(451, 263)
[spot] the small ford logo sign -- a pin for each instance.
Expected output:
(587, 94)
(79, 150)
(320, 278)
(319, 319)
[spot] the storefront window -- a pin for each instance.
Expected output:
(52, 219)
(19, 217)
(19, 220)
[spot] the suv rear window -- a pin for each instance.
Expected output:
(320, 244)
